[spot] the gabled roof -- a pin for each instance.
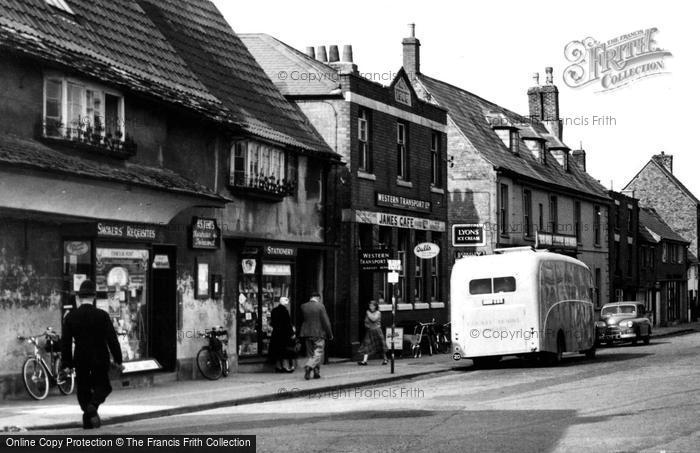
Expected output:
(181, 51)
(654, 229)
(24, 153)
(293, 72)
(670, 176)
(468, 111)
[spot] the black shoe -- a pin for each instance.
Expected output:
(361, 363)
(92, 416)
(280, 370)
(317, 374)
(86, 422)
(307, 373)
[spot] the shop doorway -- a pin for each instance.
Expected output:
(164, 312)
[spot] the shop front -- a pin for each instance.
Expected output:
(267, 272)
(134, 273)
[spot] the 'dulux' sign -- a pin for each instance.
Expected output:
(426, 250)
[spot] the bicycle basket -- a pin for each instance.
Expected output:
(52, 345)
(215, 344)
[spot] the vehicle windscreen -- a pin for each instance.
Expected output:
(492, 285)
(618, 310)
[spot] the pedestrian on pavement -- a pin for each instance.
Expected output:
(315, 329)
(283, 338)
(95, 338)
(373, 342)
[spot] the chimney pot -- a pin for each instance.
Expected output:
(666, 160)
(310, 52)
(347, 53)
(412, 30)
(321, 54)
(333, 55)
(550, 79)
(536, 78)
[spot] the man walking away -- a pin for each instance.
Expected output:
(95, 338)
(316, 329)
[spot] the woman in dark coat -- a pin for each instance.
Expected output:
(283, 337)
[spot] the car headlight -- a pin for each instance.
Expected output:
(626, 324)
(600, 324)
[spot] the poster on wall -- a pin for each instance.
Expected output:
(202, 280)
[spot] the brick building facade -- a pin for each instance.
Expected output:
(657, 187)
(389, 195)
(511, 179)
(624, 248)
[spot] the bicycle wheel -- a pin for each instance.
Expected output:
(64, 381)
(36, 379)
(209, 364)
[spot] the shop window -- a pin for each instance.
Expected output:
(435, 287)
(420, 282)
(84, 113)
(276, 282)
(121, 277)
(260, 168)
(248, 308)
(400, 288)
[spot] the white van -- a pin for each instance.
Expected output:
(520, 301)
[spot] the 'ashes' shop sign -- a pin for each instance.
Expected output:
(468, 235)
(205, 233)
(395, 201)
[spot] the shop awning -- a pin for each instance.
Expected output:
(38, 178)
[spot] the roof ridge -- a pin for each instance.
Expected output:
(675, 180)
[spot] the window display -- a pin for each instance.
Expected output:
(121, 276)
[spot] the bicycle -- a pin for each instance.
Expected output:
(426, 329)
(444, 342)
(212, 359)
(39, 376)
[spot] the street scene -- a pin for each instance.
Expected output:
(368, 227)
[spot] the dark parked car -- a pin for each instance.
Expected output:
(622, 322)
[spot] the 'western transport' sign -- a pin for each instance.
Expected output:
(399, 202)
(468, 235)
(374, 260)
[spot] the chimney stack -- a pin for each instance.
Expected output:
(321, 54)
(310, 52)
(333, 55)
(666, 160)
(411, 53)
(344, 66)
(543, 101)
(578, 156)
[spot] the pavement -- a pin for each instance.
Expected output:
(181, 397)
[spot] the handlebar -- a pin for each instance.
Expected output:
(49, 332)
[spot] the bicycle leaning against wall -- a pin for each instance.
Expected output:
(38, 375)
(212, 359)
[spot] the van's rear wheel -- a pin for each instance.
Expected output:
(590, 354)
(555, 358)
(486, 362)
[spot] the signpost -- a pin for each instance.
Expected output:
(393, 266)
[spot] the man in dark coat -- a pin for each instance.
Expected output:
(316, 329)
(95, 338)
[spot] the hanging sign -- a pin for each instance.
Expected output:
(426, 250)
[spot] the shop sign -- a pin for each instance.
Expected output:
(126, 231)
(397, 340)
(374, 260)
(392, 277)
(205, 233)
(556, 241)
(273, 250)
(470, 234)
(399, 221)
(426, 250)
(396, 201)
(393, 265)
(77, 248)
(161, 262)
(277, 269)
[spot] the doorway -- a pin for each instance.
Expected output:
(164, 313)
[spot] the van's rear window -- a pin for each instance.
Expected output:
(492, 286)
(480, 286)
(504, 285)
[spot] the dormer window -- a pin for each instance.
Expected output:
(510, 138)
(537, 148)
(85, 113)
(60, 5)
(259, 168)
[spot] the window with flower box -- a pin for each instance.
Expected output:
(84, 113)
(260, 168)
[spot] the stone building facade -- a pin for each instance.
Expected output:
(624, 248)
(656, 186)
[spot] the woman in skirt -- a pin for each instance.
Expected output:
(374, 340)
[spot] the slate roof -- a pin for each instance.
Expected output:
(654, 229)
(181, 51)
(293, 72)
(469, 112)
(21, 152)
